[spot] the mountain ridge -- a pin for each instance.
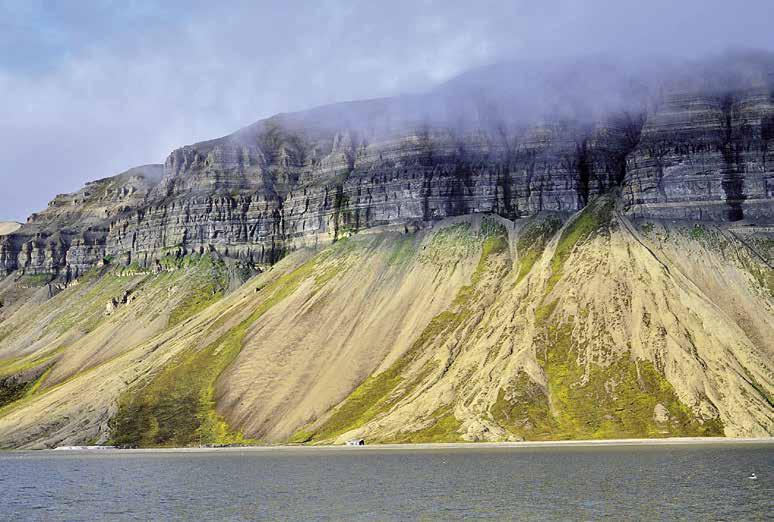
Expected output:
(439, 267)
(298, 177)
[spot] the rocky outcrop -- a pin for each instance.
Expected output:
(694, 145)
(257, 202)
(70, 236)
(706, 156)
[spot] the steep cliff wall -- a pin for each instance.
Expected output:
(258, 195)
(706, 157)
(70, 236)
(690, 145)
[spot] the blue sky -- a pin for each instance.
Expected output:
(91, 88)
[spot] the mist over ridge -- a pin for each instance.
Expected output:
(99, 88)
(514, 94)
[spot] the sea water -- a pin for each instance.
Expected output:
(619, 483)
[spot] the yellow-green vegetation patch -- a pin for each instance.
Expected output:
(337, 260)
(763, 246)
(698, 232)
(205, 289)
(751, 254)
(762, 274)
(22, 383)
(709, 236)
(758, 268)
(449, 244)
(12, 389)
(379, 393)
(532, 242)
(86, 303)
(36, 280)
(361, 406)
(32, 390)
(595, 218)
(647, 228)
(85, 310)
(375, 395)
(132, 268)
(177, 406)
(195, 302)
(31, 362)
(523, 409)
(403, 250)
(619, 400)
(201, 279)
(443, 428)
(493, 244)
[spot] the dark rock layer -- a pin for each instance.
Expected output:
(705, 157)
(691, 151)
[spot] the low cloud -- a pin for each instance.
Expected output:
(92, 89)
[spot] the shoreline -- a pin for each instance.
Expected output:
(456, 446)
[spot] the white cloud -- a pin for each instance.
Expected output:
(115, 88)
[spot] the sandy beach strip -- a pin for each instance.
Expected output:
(451, 446)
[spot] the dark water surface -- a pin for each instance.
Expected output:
(621, 483)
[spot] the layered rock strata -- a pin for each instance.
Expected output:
(698, 148)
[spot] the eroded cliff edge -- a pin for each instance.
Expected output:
(694, 144)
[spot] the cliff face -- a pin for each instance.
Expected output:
(257, 202)
(70, 236)
(689, 150)
(705, 157)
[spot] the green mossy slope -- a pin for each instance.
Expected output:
(592, 401)
(619, 400)
(577, 353)
(72, 316)
(176, 407)
(378, 393)
(532, 242)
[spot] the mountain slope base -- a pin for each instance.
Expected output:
(477, 329)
